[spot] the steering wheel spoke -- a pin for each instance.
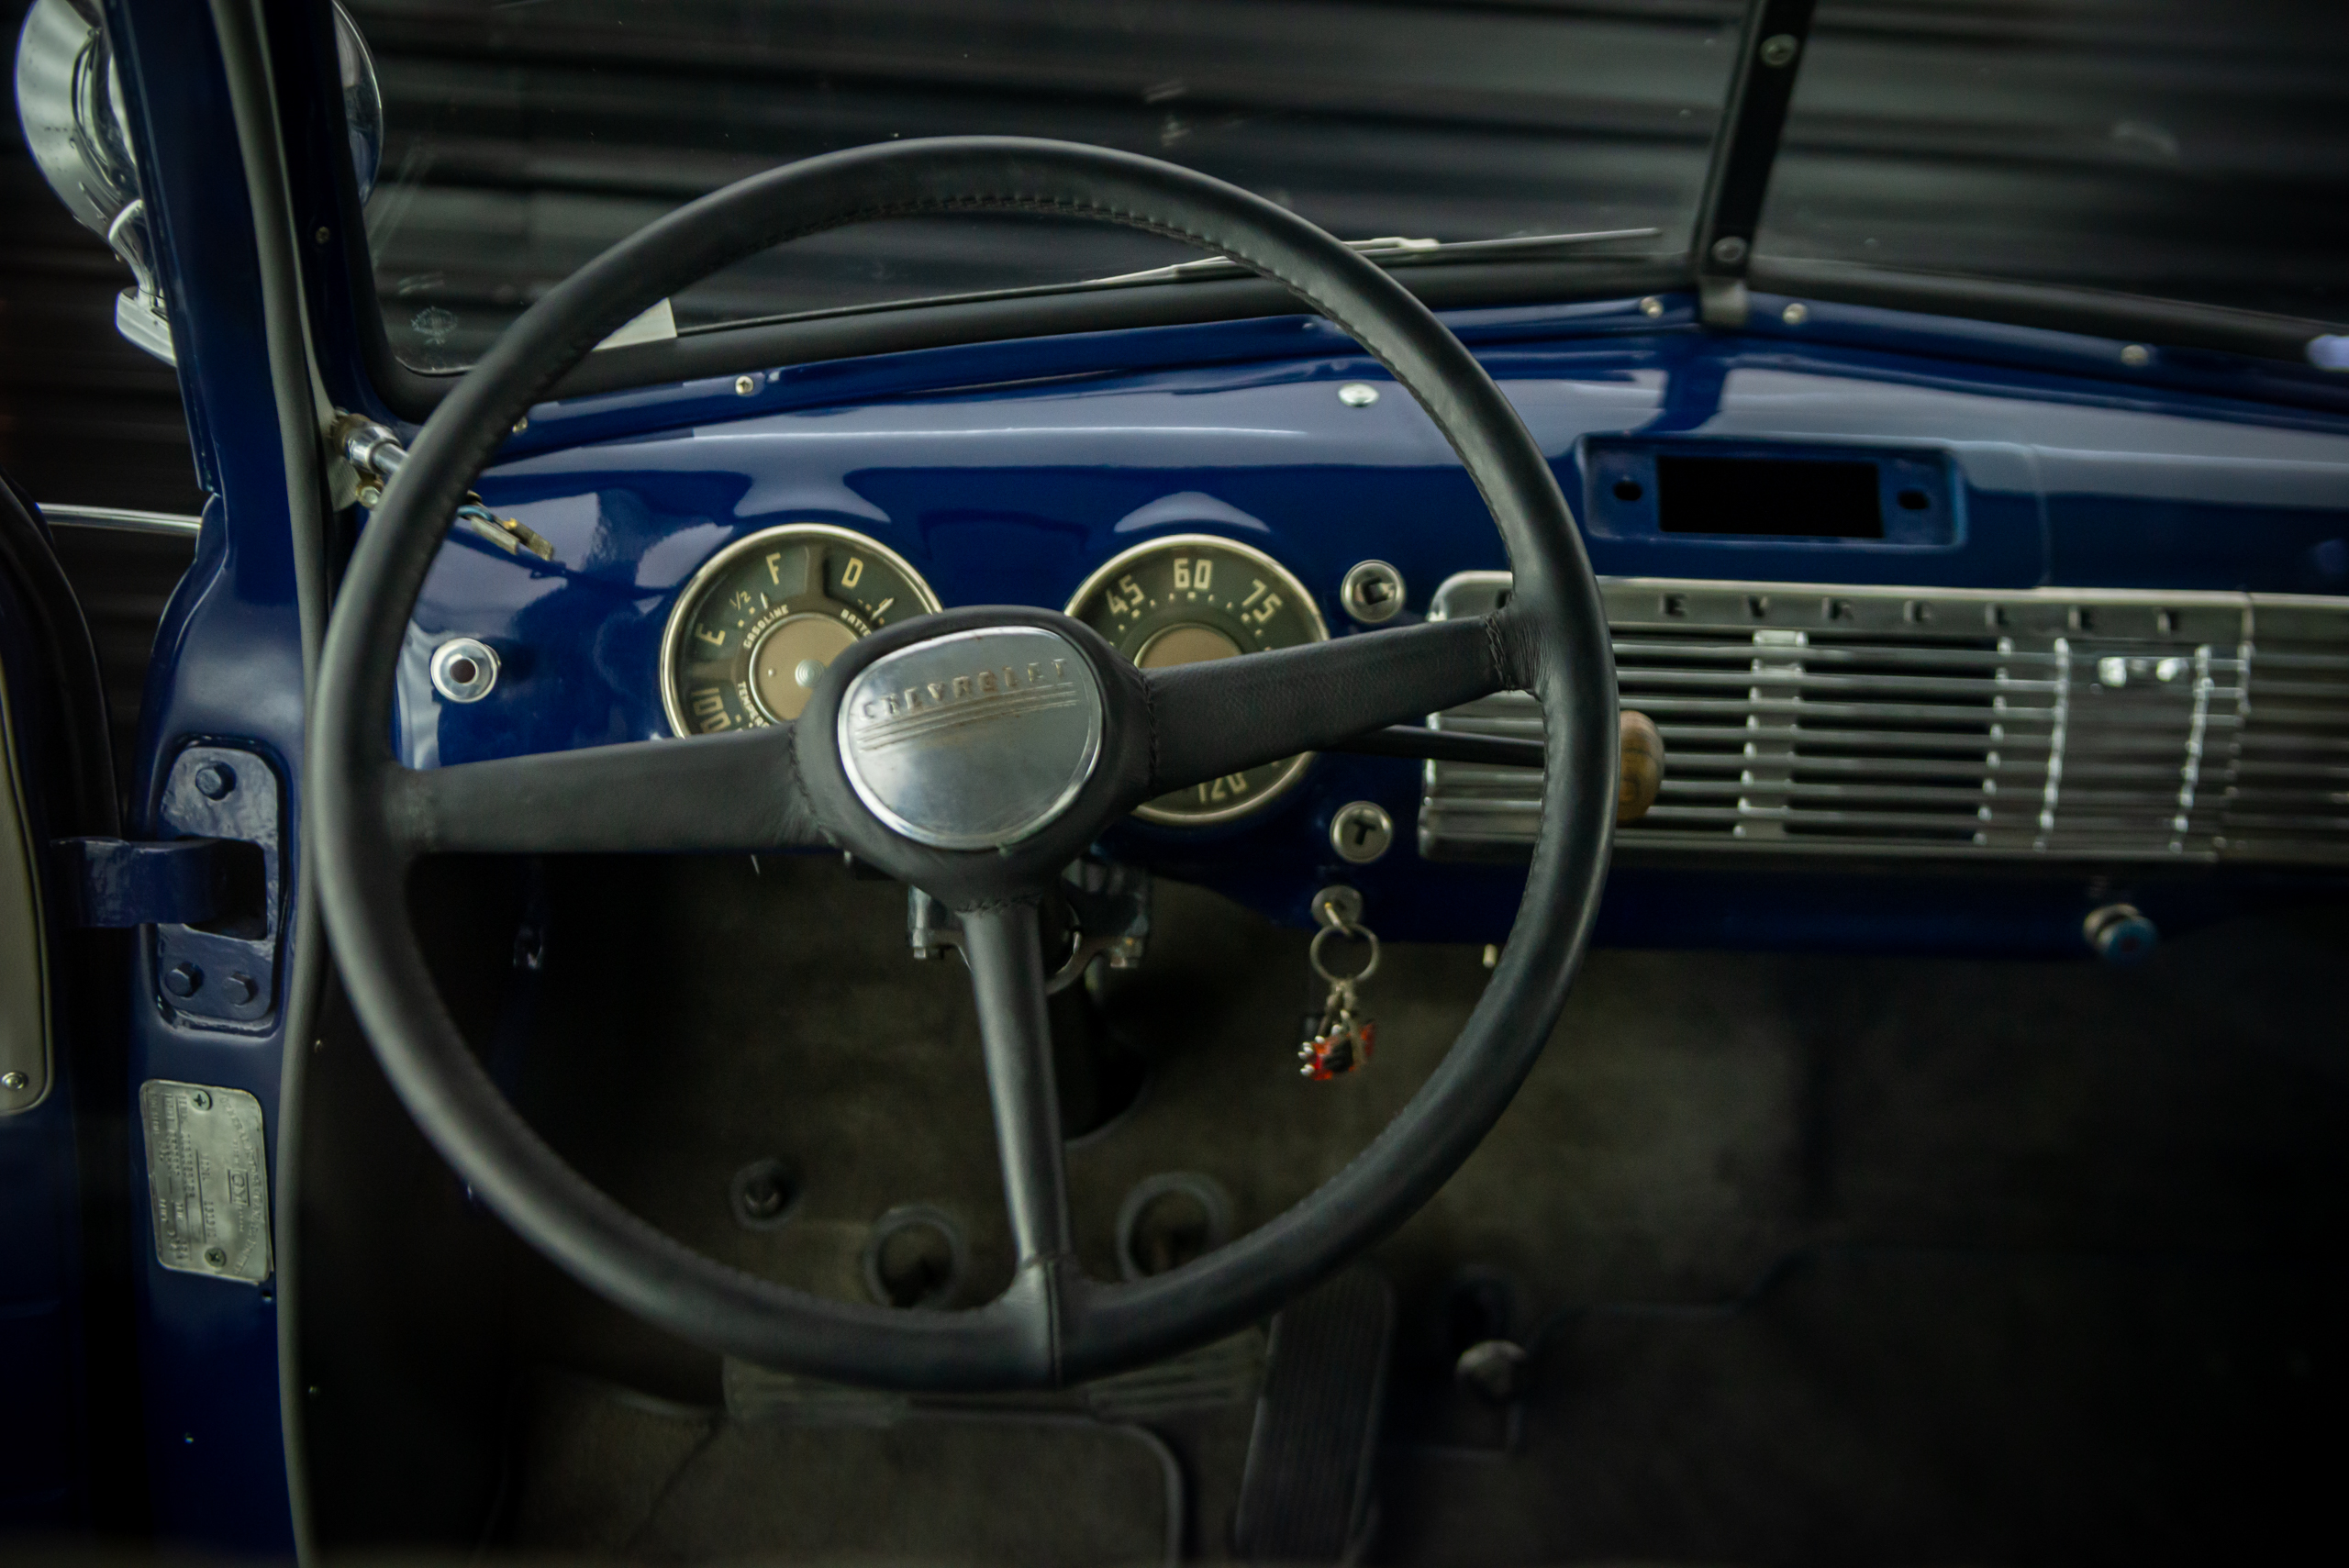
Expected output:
(1005, 949)
(1230, 715)
(706, 793)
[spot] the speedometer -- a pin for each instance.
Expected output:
(1191, 598)
(759, 623)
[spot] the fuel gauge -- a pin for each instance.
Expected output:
(760, 622)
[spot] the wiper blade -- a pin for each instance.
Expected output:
(1395, 251)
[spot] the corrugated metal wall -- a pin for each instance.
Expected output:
(2192, 148)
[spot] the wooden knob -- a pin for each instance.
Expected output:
(1643, 768)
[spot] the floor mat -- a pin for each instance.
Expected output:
(2016, 1390)
(1872, 1407)
(612, 1475)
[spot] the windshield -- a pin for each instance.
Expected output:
(2189, 150)
(522, 138)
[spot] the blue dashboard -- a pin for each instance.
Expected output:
(2031, 463)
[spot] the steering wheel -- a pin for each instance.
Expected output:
(974, 754)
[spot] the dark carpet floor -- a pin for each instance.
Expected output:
(1821, 1259)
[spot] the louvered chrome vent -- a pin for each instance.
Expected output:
(1950, 723)
(2290, 798)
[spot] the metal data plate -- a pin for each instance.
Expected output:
(207, 1177)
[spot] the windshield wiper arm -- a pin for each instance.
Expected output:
(1393, 250)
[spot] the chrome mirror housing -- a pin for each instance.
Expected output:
(363, 101)
(68, 100)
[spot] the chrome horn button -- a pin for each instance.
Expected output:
(975, 740)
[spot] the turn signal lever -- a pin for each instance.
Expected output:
(1642, 747)
(376, 454)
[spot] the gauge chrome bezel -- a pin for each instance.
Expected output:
(1300, 595)
(690, 597)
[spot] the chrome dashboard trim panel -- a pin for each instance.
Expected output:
(1949, 724)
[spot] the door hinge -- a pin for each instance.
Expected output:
(211, 889)
(116, 883)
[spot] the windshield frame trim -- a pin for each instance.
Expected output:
(730, 349)
(364, 372)
(1745, 150)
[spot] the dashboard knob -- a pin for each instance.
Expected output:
(464, 669)
(1372, 592)
(1643, 748)
(1362, 831)
(2119, 934)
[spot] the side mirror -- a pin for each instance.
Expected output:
(68, 100)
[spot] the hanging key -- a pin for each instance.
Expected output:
(1341, 1040)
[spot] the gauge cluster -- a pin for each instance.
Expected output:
(758, 623)
(1187, 599)
(765, 616)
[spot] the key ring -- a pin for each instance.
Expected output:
(1351, 932)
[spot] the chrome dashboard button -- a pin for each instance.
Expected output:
(973, 740)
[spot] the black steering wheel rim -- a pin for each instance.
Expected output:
(1053, 1326)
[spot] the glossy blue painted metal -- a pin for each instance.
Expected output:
(1013, 492)
(228, 668)
(44, 1484)
(1916, 509)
